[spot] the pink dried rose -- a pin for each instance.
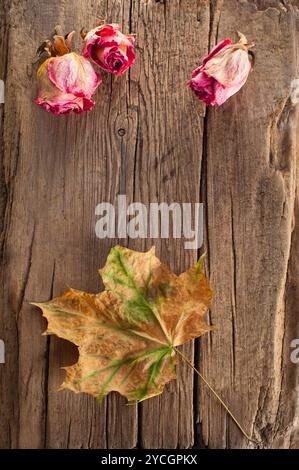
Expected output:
(223, 72)
(66, 80)
(109, 48)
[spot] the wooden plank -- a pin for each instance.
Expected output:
(8, 377)
(65, 167)
(97, 170)
(250, 186)
(167, 169)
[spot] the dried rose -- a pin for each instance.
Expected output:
(223, 72)
(66, 80)
(109, 48)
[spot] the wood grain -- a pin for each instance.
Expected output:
(250, 190)
(150, 139)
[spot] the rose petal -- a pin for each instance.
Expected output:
(204, 88)
(54, 96)
(222, 73)
(74, 74)
(107, 47)
(66, 105)
(107, 29)
(217, 48)
(230, 67)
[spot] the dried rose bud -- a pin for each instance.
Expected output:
(110, 49)
(223, 72)
(66, 80)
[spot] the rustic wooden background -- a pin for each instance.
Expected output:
(151, 139)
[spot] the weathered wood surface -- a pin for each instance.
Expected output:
(239, 159)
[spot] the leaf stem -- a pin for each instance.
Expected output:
(185, 358)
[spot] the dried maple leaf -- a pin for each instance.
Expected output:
(127, 334)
